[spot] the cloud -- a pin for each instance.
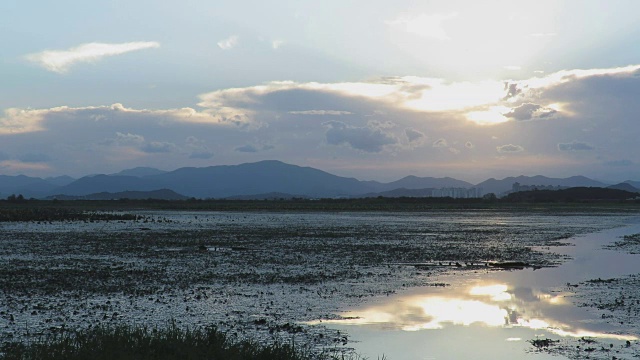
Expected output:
(543, 34)
(425, 25)
(34, 158)
(574, 146)
(276, 44)
(388, 117)
(228, 43)
(18, 121)
(320, 112)
(128, 138)
(529, 111)
(159, 147)
(413, 135)
(361, 138)
(509, 148)
(250, 148)
(440, 143)
(19, 166)
(197, 148)
(247, 148)
(619, 163)
(201, 155)
(61, 60)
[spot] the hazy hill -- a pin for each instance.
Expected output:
(106, 183)
(415, 182)
(140, 172)
(25, 185)
(500, 186)
(162, 194)
(635, 184)
(257, 178)
(624, 186)
(60, 180)
(263, 178)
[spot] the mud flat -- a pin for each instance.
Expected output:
(257, 275)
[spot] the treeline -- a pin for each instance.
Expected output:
(573, 195)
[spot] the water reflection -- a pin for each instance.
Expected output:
(487, 305)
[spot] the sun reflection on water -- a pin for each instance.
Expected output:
(486, 305)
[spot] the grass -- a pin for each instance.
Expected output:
(142, 343)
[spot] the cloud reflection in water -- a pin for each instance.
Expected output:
(488, 305)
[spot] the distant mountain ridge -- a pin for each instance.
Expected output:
(162, 194)
(499, 187)
(264, 179)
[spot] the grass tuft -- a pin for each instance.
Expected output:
(142, 343)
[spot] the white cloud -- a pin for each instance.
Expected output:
(276, 44)
(61, 60)
(228, 43)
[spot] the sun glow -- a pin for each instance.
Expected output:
(489, 117)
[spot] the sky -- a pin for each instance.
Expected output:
(369, 89)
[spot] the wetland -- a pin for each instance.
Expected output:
(305, 276)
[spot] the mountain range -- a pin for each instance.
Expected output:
(260, 178)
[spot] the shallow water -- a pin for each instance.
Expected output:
(495, 314)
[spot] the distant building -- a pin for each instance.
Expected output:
(457, 193)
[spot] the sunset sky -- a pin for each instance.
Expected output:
(371, 89)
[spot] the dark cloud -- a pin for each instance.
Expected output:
(361, 138)
(575, 146)
(413, 134)
(34, 158)
(529, 111)
(509, 148)
(512, 90)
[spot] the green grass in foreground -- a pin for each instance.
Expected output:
(141, 343)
